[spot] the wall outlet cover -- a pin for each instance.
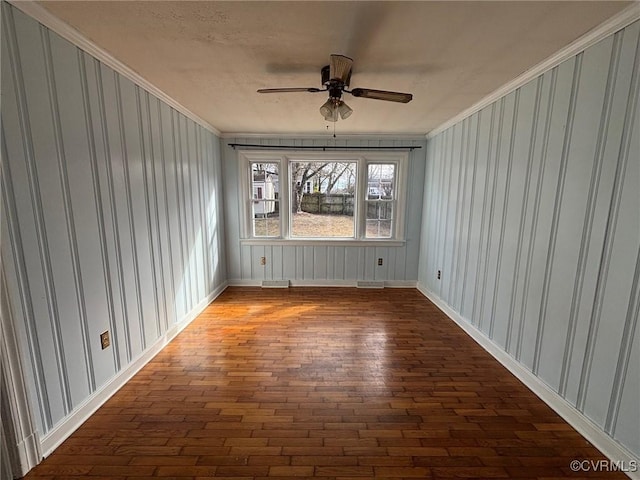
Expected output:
(105, 341)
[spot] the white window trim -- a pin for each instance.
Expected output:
(362, 158)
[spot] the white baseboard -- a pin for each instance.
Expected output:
(324, 283)
(400, 284)
(594, 434)
(80, 414)
(28, 453)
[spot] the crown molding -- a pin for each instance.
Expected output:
(617, 22)
(327, 136)
(66, 31)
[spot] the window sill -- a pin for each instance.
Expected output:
(311, 242)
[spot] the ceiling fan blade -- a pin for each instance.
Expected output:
(290, 90)
(382, 95)
(340, 68)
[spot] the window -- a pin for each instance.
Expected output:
(265, 210)
(324, 209)
(323, 196)
(380, 201)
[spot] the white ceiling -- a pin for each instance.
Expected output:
(211, 57)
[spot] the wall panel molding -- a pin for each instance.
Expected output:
(536, 208)
(143, 131)
(624, 354)
(23, 291)
(480, 281)
(515, 279)
(556, 214)
(596, 175)
(99, 210)
(63, 170)
(505, 205)
(470, 210)
(33, 187)
(633, 310)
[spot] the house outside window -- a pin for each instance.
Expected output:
(325, 196)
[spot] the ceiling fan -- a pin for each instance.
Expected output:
(335, 80)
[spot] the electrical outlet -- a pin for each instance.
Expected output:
(439, 274)
(263, 260)
(105, 341)
(379, 261)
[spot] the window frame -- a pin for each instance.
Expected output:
(394, 200)
(362, 159)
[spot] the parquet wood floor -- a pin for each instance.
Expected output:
(323, 383)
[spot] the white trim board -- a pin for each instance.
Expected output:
(66, 31)
(15, 412)
(322, 283)
(297, 242)
(594, 434)
(418, 137)
(64, 429)
(608, 27)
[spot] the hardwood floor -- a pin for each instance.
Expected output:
(325, 383)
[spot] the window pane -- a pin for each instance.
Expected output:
(381, 181)
(379, 218)
(378, 228)
(265, 225)
(379, 210)
(380, 196)
(323, 199)
(265, 205)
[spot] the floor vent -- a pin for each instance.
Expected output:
(275, 284)
(370, 284)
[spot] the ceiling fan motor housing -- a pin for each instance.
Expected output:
(326, 80)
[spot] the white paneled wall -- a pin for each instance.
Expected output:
(531, 215)
(323, 264)
(111, 217)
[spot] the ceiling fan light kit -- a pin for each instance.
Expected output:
(336, 78)
(344, 110)
(334, 107)
(329, 111)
